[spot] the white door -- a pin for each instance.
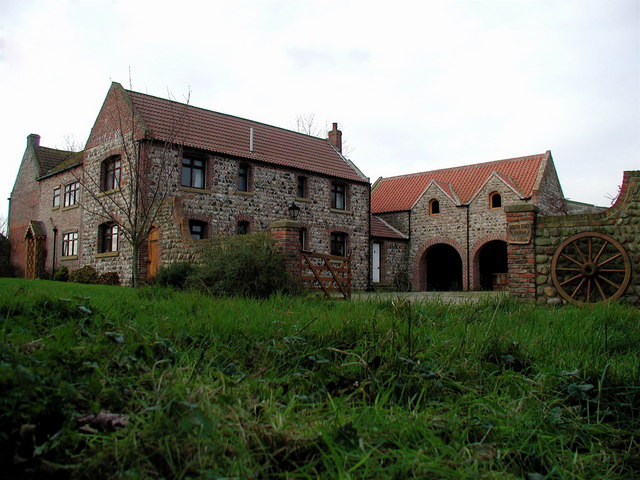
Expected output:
(375, 262)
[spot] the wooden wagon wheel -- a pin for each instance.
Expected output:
(590, 268)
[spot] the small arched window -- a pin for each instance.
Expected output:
(495, 200)
(434, 207)
(243, 227)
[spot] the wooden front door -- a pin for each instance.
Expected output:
(152, 253)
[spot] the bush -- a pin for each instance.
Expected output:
(5, 265)
(174, 275)
(86, 274)
(61, 274)
(243, 265)
(109, 278)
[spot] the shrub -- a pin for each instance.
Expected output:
(243, 265)
(5, 265)
(61, 274)
(86, 274)
(109, 278)
(174, 275)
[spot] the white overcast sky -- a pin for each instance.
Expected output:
(414, 85)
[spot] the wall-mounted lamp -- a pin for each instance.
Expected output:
(294, 210)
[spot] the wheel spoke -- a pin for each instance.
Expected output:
(575, 245)
(590, 251)
(588, 290)
(612, 270)
(604, 297)
(570, 280)
(610, 282)
(577, 288)
(573, 260)
(595, 260)
(610, 259)
(567, 269)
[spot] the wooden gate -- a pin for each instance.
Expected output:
(329, 273)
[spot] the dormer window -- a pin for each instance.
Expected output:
(434, 207)
(495, 200)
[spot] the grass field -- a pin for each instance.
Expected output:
(198, 387)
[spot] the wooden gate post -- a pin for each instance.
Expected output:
(286, 234)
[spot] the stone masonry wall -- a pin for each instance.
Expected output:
(394, 261)
(272, 190)
(621, 222)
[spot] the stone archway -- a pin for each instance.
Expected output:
(491, 266)
(439, 267)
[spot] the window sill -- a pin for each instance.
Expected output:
(182, 188)
(343, 212)
(70, 207)
(108, 192)
(302, 199)
(107, 254)
(55, 208)
(69, 257)
(245, 194)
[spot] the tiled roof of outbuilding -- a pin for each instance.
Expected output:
(189, 126)
(395, 194)
(381, 229)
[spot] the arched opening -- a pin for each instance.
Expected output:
(492, 265)
(443, 268)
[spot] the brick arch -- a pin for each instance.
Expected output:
(419, 262)
(475, 256)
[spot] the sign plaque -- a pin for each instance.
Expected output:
(519, 232)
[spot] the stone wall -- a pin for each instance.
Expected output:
(621, 222)
(394, 264)
(272, 190)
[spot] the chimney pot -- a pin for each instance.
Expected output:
(335, 137)
(33, 140)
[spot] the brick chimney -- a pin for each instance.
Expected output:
(33, 140)
(335, 137)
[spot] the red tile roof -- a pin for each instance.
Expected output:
(395, 194)
(381, 229)
(190, 126)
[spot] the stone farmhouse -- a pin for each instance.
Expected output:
(214, 174)
(447, 230)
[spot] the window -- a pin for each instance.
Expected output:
(338, 244)
(111, 174)
(303, 239)
(108, 238)
(434, 207)
(192, 173)
(338, 196)
(495, 200)
(56, 197)
(70, 244)
(243, 177)
(301, 190)
(198, 229)
(243, 227)
(71, 194)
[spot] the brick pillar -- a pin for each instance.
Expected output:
(286, 234)
(521, 220)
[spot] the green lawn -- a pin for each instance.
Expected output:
(306, 388)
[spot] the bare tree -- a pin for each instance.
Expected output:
(130, 191)
(308, 124)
